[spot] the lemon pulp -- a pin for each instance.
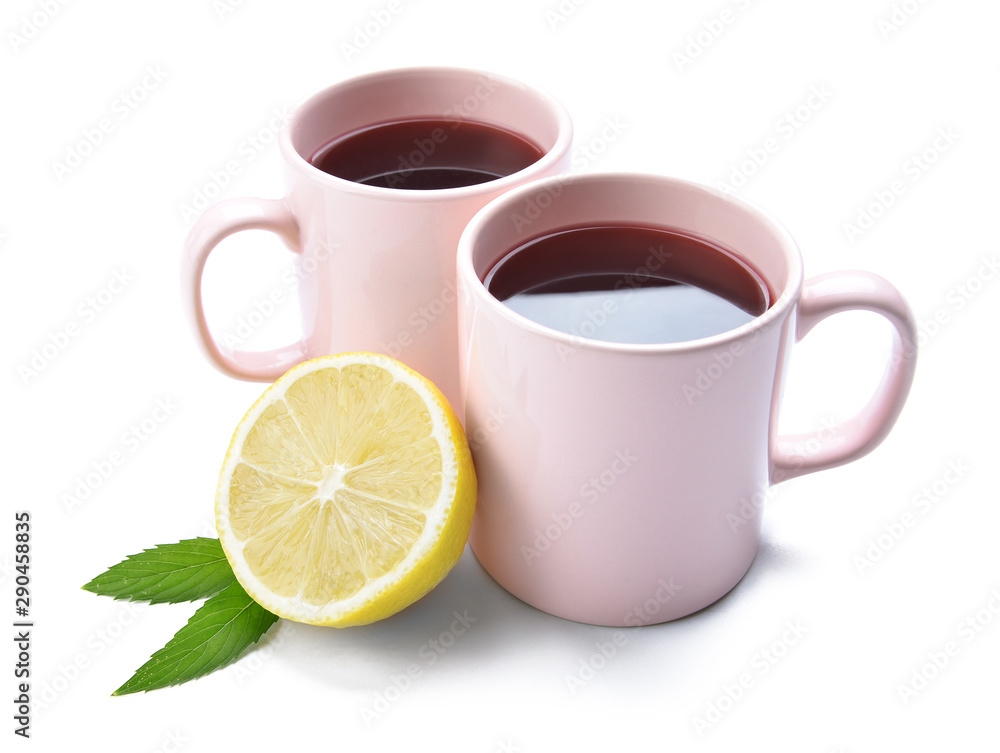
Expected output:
(340, 480)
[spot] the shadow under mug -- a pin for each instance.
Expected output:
(616, 484)
(376, 266)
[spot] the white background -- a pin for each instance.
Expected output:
(890, 92)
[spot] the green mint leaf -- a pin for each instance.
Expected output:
(185, 571)
(218, 633)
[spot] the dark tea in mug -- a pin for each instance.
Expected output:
(426, 153)
(629, 284)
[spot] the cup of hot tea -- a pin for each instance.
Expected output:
(384, 171)
(622, 359)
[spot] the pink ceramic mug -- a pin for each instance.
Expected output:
(376, 265)
(620, 484)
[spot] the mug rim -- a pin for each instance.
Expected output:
(560, 116)
(475, 286)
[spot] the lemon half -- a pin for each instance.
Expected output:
(347, 492)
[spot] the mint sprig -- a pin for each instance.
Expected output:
(220, 631)
(171, 573)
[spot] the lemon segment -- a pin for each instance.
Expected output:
(347, 492)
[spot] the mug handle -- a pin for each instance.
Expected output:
(218, 222)
(798, 454)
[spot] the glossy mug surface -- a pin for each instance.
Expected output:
(616, 476)
(376, 264)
